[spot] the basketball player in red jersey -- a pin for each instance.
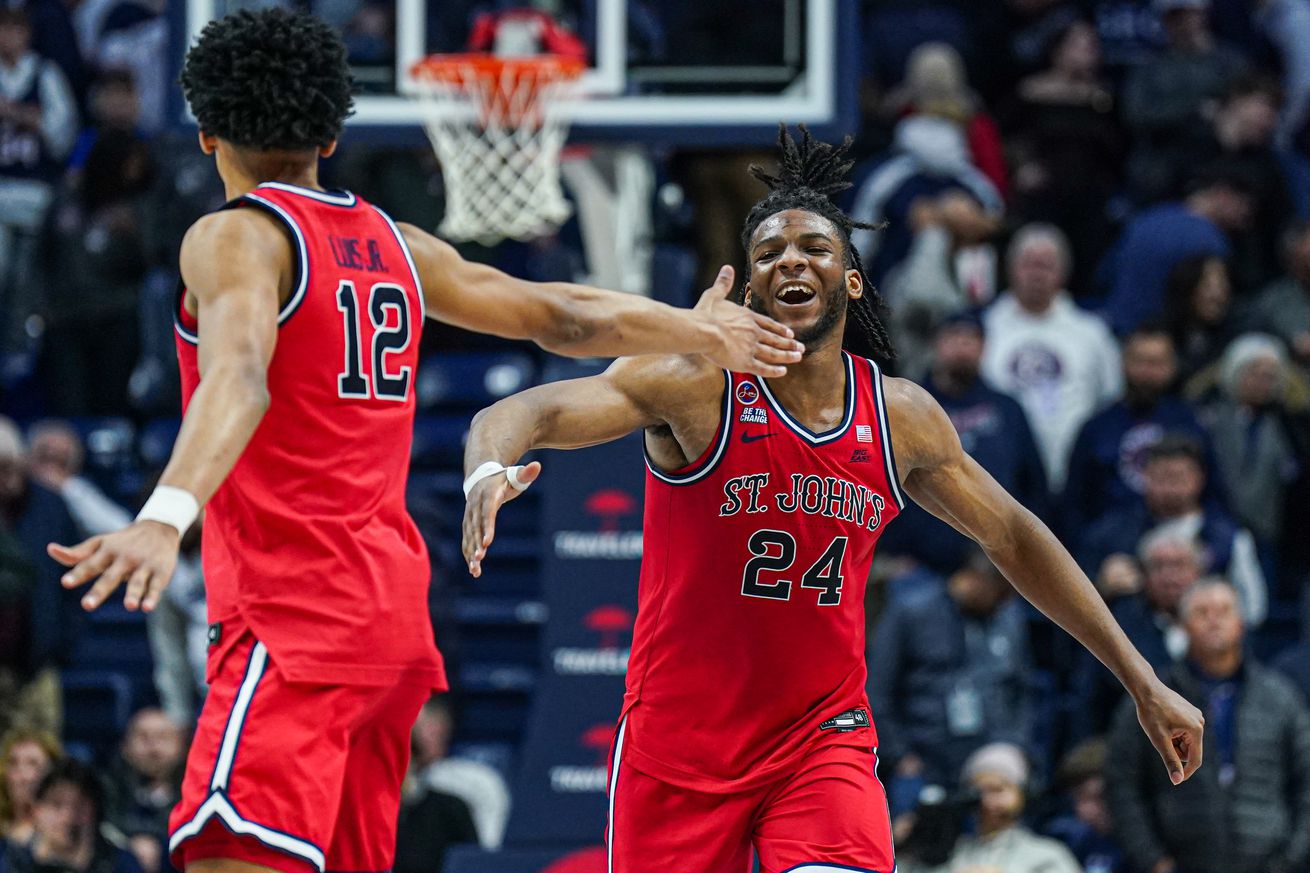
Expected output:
(745, 723)
(298, 336)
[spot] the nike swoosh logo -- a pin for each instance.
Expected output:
(750, 438)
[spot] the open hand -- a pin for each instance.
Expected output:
(749, 342)
(484, 501)
(144, 553)
(1175, 728)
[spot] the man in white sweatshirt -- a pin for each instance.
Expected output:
(1060, 362)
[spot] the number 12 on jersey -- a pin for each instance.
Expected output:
(824, 574)
(387, 340)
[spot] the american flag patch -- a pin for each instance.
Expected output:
(863, 433)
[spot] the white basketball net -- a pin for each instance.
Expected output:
(497, 128)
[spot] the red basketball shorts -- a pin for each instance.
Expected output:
(830, 816)
(294, 777)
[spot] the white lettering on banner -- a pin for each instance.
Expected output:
(590, 662)
(605, 545)
(578, 780)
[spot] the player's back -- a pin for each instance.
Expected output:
(308, 540)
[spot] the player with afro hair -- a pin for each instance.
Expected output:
(269, 81)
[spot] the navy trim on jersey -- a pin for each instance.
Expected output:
(335, 197)
(817, 439)
(409, 259)
(236, 719)
(218, 804)
(888, 456)
(302, 253)
(704, 469)
(181, 328)
(614, 790)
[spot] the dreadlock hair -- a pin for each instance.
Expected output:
(809, 174)
(269, 80)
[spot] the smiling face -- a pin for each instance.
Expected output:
(798, 274)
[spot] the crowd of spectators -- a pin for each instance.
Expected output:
(1096, 258)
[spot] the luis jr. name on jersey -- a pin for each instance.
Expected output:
(828, 496)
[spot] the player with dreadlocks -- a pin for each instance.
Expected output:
(745, 726)
(298, 334)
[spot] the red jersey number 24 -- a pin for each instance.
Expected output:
(388, 339)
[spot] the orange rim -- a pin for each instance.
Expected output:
(452, 68)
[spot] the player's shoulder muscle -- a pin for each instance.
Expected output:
(235, 244)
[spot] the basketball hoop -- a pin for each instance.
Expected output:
(497, 127)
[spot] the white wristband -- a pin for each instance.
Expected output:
(175, 507)
(491, 468)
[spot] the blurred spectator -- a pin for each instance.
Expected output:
(722, 190)
(925, 288)
(1130, 30)
(130, 35)
(98, 253)
(1283, 307)
(936, 85)
(1198, 299)
(1237, 139)
(1172, 489)
(38, 122)
(44, 619)
(475, 783)
(55, 457)
(145, 784)
(1247, 810)
(25, 758)
(929, 156)
(999, 773)
(1059, 362)
(1286, 25)
(69, 815)
(1032, 27)
(993, 430)
(1145, 604)
(1259, 443)
(947, 674)
(179, 633)
(1066, 148)
(1087, 829)
(1106, 467)
(1137, 269)
(1164, 95)
(54, 37)
(115, 108)
(430, 822)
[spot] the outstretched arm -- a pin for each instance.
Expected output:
(235, 268)
(580, 321)
(633, 393)
(948, 483)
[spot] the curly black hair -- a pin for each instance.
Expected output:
(809, 174)
(269, 80)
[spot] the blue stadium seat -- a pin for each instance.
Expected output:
(439, 442)
(110, 455)
(97, 705)
(155, 444)
(471, 380)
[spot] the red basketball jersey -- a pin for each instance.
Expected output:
(750, 625)
(308, 540)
